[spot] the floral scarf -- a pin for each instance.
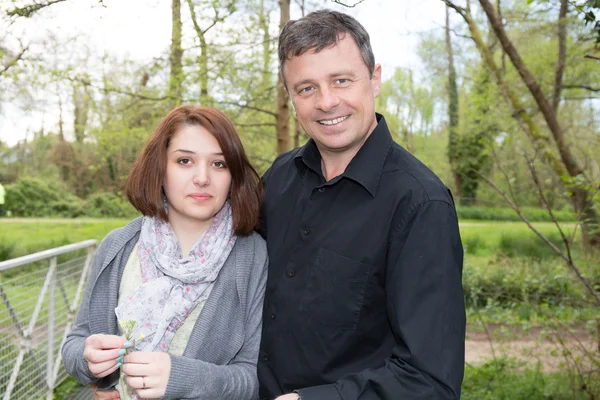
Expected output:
(172, 286)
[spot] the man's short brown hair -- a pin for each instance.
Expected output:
(144, 183)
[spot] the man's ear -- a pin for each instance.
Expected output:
(376, 80)
(293, 107)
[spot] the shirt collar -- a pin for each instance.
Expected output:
(366, 166)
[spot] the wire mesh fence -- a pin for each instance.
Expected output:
(39, 296)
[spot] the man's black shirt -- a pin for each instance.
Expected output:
(364, 297)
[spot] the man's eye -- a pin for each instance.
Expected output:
(307, 89)
(341, 81)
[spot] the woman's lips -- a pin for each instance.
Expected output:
(201, 196)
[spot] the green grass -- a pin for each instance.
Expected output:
(480, 238)
(506, 379)
(493, 238)
(18, 238)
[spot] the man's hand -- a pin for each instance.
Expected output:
(105, 394)
(289, 396)
(148, 373)
(103, 354)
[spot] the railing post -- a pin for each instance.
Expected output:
(50, 353)
(25, 324)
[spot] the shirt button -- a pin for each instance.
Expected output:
(306, 231)
(321, 189)
(266, 358)
(273, 315)
(291, 273)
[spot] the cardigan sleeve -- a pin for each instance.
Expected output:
(72, 350)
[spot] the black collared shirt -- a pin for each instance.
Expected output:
(364, 297)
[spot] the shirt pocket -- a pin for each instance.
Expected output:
(335, 290)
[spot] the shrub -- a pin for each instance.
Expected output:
(506, 379)
(508, 284)
(31, 197)
(529, 245)
(108, 205)
(473, 244)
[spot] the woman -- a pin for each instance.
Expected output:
(173, 304)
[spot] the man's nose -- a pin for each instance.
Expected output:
(327, 99)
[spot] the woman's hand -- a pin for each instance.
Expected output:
(148, 373)
(104, 353)
(105, 394)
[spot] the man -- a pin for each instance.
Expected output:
(364, 297)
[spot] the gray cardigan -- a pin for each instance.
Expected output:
(219, 361)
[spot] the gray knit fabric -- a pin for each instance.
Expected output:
(219, 361)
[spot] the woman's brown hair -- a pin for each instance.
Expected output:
(145, 180)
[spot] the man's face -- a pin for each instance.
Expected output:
(333, 95)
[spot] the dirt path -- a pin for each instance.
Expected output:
(531, 347)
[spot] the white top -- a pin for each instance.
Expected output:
(132, 278)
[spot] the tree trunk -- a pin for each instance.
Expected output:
(452, 112)
(283, 109)
(263, 23)
(297, 127)
(81, 110)
(204, 100)
(562, 53)
(176, 77)
(582, 197)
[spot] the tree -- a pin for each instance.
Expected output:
(566, 165)
(221, 12)
(452, 111)
(283, 108)
(176, 75)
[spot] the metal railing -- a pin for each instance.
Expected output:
(39, 297)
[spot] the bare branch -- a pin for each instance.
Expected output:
(14, 61)
(586, 87)
(347, 5)
(246, 106)
(259, 124)
(30, 9)
(536, 181)
(581, 98)
(569, 262)
(460, 35)
(109, 89)
(462, 11)
(592, 56)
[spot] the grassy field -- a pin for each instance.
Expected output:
(28, 235)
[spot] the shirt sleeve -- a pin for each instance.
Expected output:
(426, 311)
(262, 225)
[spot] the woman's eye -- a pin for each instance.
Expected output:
(184, 161)
(219, 164)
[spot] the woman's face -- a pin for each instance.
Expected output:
(197, 180)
